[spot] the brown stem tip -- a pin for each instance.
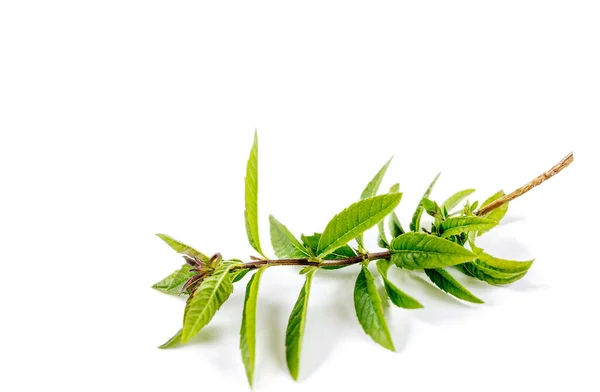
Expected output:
(566, 161)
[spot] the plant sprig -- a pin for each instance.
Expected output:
(448, 242)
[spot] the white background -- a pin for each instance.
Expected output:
(121, 119)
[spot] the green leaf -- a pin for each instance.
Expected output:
(354, 220)
(398, 297)
(415, 224)
(312, 242)
(343, 252)
(396, 228)
(239, 275)
(373, 186)
(306, 270)
(248, 330)
(496, 214)
(173, 283)
(383, 241)
(394, 223)
(175, 341)
(419, 250)
(251, 212)
(182, 248)
(286, 246)
(369, 309)
(507, 266)
(456, 198)
(207, 299)
(491, 276)
(461, 268)
(458, 225)
(371, 190)
(431, 207)
(446, 282)
(295, 328)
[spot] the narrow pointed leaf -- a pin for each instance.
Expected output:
(397, 296)
(182, 248)
(419, 250)
(415, 224)
(507, 266)
(369, 309)
(251, 212)
(431, 207)
(371, 190)
(446, 282)
(394, 223)
(459, 225)
(396, 228)
(456, 198)
(312, 242)
(461, 268)
(207, 299)
(373, 186)
(295, 328)
(354, 220)
(248, 330)
(173, 283)
(492, 272)
(306, 270)
(496, 214)
(383, 241)
(175, 341)
(394, 188)
(238, 275)
(284, 243)
(491, 276)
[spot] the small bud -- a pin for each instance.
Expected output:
(189, 282)
(215, 260)
(191, 261)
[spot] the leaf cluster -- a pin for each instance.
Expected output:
(447, 242)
